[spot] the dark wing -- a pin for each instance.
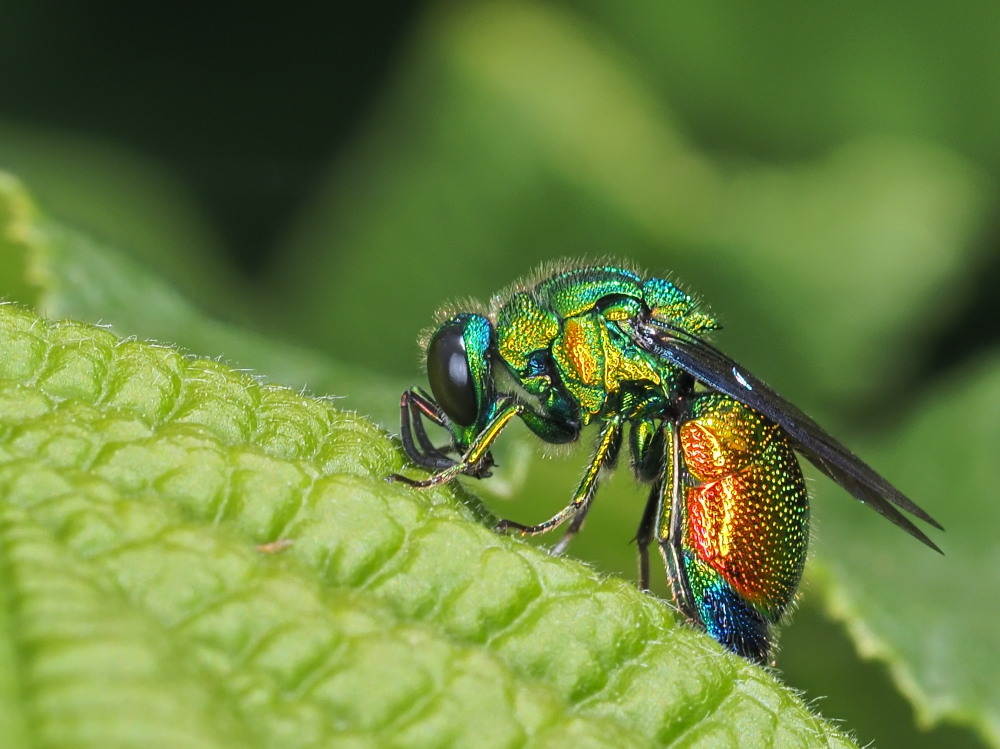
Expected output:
(716, 370)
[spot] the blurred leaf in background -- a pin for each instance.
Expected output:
(824, 177)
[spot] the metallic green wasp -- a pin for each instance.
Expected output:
(728, 506)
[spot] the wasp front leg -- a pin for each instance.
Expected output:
(472, 460)
(415, 406)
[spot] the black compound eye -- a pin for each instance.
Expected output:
(449, 375)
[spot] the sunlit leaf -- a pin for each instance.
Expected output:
(193, 558)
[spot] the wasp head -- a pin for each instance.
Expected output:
(459, 373)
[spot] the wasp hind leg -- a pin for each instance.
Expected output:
(647, 532)
(648, 441)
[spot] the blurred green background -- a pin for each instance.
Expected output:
(824, 176)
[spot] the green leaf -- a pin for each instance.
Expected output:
(65, 273)
(139, 609)
(931, 619)
(131, 202)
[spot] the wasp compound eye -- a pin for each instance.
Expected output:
(449, 375)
